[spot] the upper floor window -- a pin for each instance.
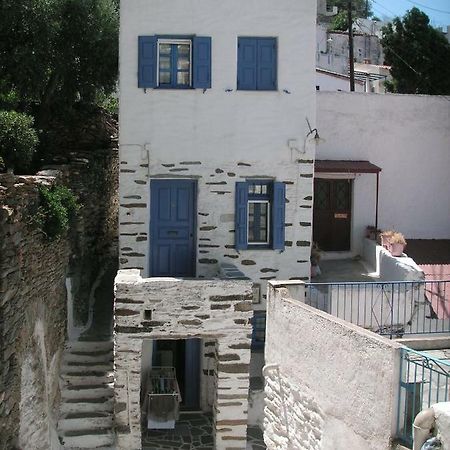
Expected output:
(257, 64)
(260, 211)
(174, 62)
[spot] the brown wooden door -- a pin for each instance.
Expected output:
(332, 214)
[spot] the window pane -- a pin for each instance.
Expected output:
(165, 49)
(183, 63)
(164, 62)
(258, 222)
(183, 78)
(183, 50)
(164, 77)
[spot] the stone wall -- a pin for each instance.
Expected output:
(218, 311)
(33, 296)
(32, 314)
(329, 384)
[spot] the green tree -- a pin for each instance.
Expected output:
(418, 54)
(360, 8)
(18, 140)
(57, 52)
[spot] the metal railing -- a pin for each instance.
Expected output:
(389, 308)
(424, 381)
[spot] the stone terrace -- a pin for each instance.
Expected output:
(170, 308)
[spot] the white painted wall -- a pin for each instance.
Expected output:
(329, 384)
(408, 136)
(217, 136)
(330, 82)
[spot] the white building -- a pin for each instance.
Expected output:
(333, 81)
(216, 158)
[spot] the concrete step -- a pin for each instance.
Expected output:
(80, 407)
(79, 380)
(88, 440)
(89, 346)
(88, 423)
(86, 368)
(93, 393)
(71, 358)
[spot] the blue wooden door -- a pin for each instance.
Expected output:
(172, 228)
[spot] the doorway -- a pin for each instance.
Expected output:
(172, 228)
(332, 214)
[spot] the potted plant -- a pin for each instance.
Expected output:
(386, 239)
(398, 244)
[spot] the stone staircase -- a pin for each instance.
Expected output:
(86, 411)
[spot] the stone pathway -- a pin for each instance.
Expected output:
(193, 432)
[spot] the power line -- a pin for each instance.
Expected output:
(388, 10)
(428, 7)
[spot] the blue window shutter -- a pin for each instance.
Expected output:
(147, 62)
(241, 215)
(267, 64)
(278, 214)
(247, 63)
(201, 62)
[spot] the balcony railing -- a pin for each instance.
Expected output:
(424, 380)
(391, 309)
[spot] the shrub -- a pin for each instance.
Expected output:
(18, 139)
(58, 206)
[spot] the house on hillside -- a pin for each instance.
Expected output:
(216, 185)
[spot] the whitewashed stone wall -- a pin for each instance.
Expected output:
(329, 385)
(215, 310)
(220, 136)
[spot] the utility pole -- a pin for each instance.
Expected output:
(350, 46)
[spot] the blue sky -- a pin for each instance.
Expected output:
(433, 8)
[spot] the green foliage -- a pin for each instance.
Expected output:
(109, 102)
(58, 206)
(18, 139)
(418, 54)
(58, 51)
(361, 8)
(339, 22)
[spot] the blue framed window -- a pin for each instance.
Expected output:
(174, 62)
(257, 64)
(260, 214)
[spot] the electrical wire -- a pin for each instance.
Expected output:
(429, 7)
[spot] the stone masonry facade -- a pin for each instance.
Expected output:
(167, 308)
(216, 213)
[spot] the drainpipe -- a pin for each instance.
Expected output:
(423, 424)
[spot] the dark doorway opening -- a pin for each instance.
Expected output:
(332, 214)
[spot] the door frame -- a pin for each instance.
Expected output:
(194, 182)
(340, 176)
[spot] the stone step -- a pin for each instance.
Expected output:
(94, 393)
(80, 407)
(88, 440)
(80, 380)
(88, 423)
(75, 358)
(86, 368)
(89, 346)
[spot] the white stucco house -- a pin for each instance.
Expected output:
(216, 181)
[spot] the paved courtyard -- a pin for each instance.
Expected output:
(193, 432)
